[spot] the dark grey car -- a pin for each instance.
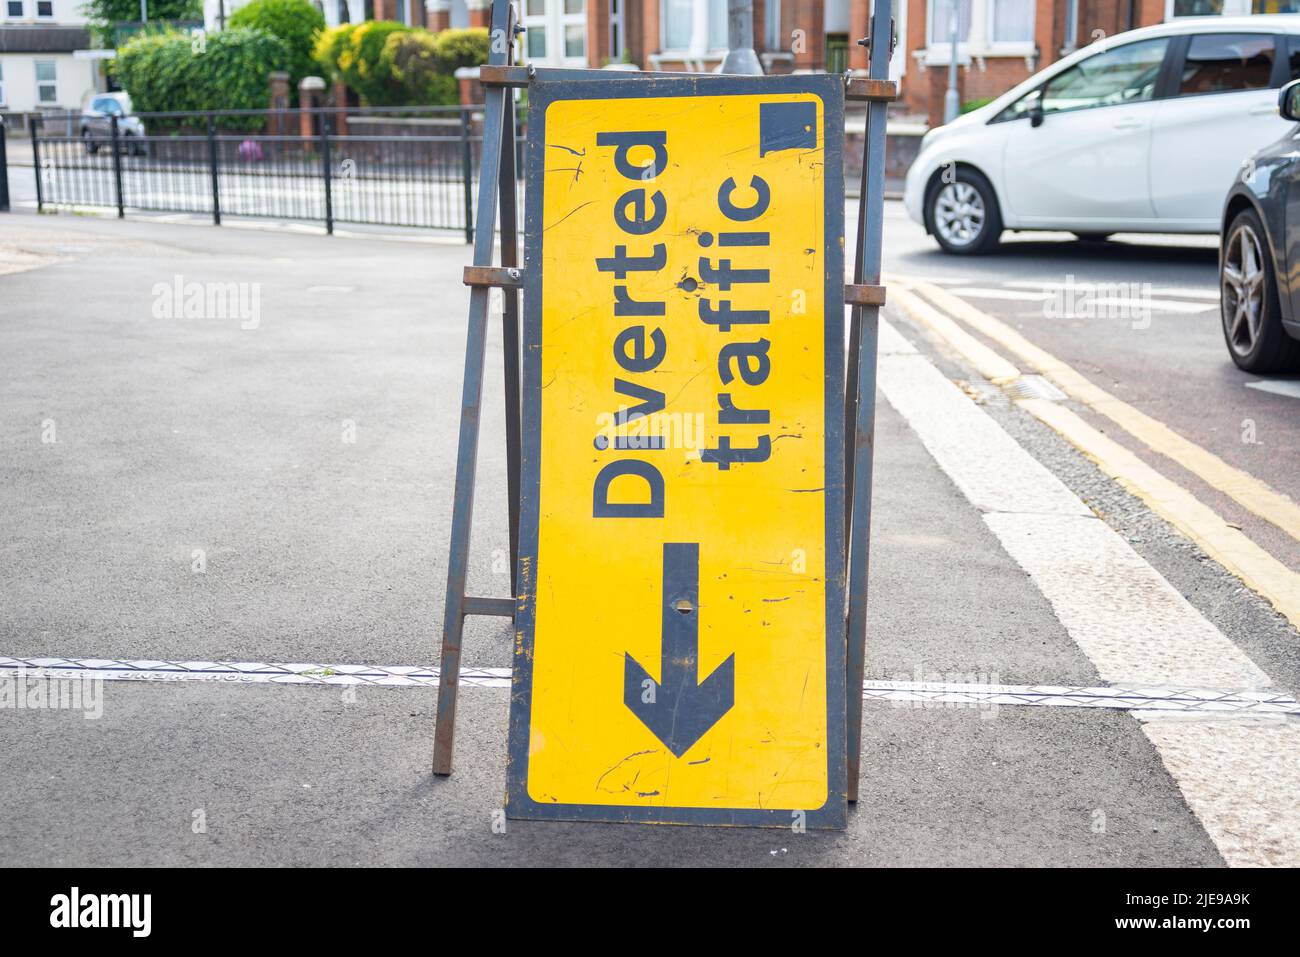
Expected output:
(97, 124)
(1259, 253)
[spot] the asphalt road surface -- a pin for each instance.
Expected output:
(1057, 674)
(1139, 317)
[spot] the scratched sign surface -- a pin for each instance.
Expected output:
(680, 646)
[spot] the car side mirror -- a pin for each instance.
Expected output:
(1036, 114)
(1288, 101)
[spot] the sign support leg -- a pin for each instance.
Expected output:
(861, 386)
(457, 606)
(510, 328)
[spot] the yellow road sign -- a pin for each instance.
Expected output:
(680, 645)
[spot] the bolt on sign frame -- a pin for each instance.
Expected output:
(681, 598)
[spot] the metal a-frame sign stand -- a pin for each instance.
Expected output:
(865, 296)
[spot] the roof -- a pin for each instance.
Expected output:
(43, 39)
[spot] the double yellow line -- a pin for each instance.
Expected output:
(939, 311)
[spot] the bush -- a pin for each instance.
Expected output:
(353, 52)
(296, 22)
(388, 64)
(972, 105)
(412, 57)
(458, 48)
(228, 71)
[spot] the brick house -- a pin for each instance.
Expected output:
(1000, 42)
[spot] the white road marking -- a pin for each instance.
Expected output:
(1287, 387)
(1241, 779)
(1000, 476)
(1209, 295)
(1017, 295)
(1163, 292)
(1148, 699)
(1096, 302)
(1131, 623)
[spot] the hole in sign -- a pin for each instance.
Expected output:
(683, 606)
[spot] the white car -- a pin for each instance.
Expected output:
(1140, 132)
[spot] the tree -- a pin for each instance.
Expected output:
(104, 15)
(296, 22)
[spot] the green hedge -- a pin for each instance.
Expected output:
(227, 70)
(388, 64)
(352, 52)
(296, 22)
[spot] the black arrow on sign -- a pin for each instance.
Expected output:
(680, 709)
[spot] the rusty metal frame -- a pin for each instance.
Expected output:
(860, 385)
(865, 296)
(496, 187)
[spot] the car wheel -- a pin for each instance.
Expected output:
(1092, 237)
(1248, 300)
(91, 146)
(963, 215)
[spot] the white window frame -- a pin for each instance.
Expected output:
(36, 69)
(677, 53)
(3, 102)
(1231, 8)
(617, 28)
(36, 7)
(552, 22)
(977, 44)
(22, 10)
(772, 25)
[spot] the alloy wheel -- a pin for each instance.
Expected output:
(959, 213)
(1243, 289)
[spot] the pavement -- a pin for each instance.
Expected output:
(275, 487)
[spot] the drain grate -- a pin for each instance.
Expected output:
(1033, 387)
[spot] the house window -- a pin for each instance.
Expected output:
(1071, 26)
(616, 31)
(1011, 21)
(45, 8)
(941, 20)
(680, 20)
(555, 31)
(984, 28)
(14, 8)
(772, 25)
(47, 81)
(1193, 8)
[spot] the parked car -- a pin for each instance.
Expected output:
(1259, 289)
(1139, 132)
(97, 124)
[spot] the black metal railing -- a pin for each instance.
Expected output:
(400, 166)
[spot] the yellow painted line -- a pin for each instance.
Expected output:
(987, 362)
(1249, 492)
(1228, 546)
